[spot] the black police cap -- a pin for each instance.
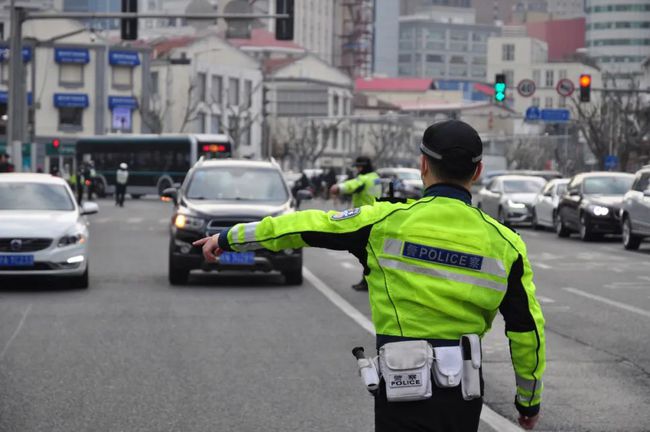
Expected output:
(448, 137)
(362, 161)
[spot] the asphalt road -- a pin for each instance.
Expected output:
(242, 353)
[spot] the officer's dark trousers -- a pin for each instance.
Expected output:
(445, 411)
(120, 191)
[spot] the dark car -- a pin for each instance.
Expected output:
(218, 194)
(635, 213)
(591, 204)
(407, 182)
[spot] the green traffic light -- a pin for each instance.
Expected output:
(500, 87)
(499, 96)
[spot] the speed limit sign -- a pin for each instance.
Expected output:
(526, 87)
(565, 87)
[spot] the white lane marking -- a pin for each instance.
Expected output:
(543, 299)
(532, 234)
(99, 220)
(543, 266)
(163, 221)
(13, 336)
(492, 418)
(608, 301)
(134, 220)
(348, 265)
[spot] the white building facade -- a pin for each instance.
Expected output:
(77, 86)
(618, 34)
(205, 85)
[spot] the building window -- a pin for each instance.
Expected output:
(246, 134)
(202, 119)
(71, 118)
(233, 91)
(215, 125)
(155, 89)
(548, 102)
(537, 77)
(335, 105)
(535, 102)
(201, 84)
(507, 52)
(4, 73)
(562, 102)
(404, 58)
(217, 89)
(435, 58)
(248, 93)
(233, 128)
(549, 78)
(562, 74)
(122, 77)
(71, 75)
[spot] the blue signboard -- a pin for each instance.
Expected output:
(555, 115)
(123, 58)
(71, 55)
(4, 53)
(122, 102)
(71, 100)
(532, 113)
(611, 162)
(122, 118)
(4, 97)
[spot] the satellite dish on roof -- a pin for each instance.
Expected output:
(197, 7)
(238, 28)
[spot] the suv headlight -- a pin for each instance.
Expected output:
(599, 210)
(71, 239)
(188, 222)
(516, 205)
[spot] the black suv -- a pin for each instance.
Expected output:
(218, 194)
(591, 204)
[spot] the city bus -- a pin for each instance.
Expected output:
(155, 162)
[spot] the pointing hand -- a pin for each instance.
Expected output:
(210, 247)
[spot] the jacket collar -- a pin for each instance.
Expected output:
(449, 190)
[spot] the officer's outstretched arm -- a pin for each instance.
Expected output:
(347, 230)
(525, 329)
(351, 186)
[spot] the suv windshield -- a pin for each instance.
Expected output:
(608, 185)
(237, 183)
(523, 186)
(34, 196)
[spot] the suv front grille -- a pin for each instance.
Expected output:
(24, 244)
(216, 225)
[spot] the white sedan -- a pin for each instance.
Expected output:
(546, 201)
(43, 232)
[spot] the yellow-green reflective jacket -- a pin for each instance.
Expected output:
(364, 188)
(437, 268)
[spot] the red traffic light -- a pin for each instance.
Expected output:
(56, 143)
(585, 80)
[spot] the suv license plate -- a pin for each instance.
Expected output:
(17, 260)
(237, 258)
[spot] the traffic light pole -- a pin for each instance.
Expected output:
(17, 115)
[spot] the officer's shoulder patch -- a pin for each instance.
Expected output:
(346, 214)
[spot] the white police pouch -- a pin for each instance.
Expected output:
(406, 369)
(447, 366)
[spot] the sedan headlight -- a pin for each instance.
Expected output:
(188, 222)
(599, 210)
(516, 205)
(73, 239)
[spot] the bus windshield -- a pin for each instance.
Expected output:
(237, 184)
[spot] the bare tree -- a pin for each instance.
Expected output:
(192, 108)
(618, 123)
(242, 117)
(388, 140)
(303, 141)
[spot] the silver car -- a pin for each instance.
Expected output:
(509, 198)
(546, 201)
(635, 212)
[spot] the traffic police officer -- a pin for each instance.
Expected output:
(365, 188)
(438, 268)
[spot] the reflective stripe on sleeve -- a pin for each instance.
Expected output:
(527, 385)
(249, 232)
(243, 247)
(234, 233)
(399, 265)
(491, 266)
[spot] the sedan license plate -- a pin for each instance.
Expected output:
(237, 258)
(17, 260)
